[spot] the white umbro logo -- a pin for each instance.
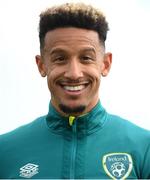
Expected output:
(29, 170)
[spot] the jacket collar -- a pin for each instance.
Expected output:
(85, 124)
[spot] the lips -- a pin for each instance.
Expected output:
(74, 87)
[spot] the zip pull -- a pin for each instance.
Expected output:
(71, 120)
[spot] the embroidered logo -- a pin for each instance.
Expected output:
(28, 170)
(117, 165)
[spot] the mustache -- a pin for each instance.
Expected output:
(73, 81)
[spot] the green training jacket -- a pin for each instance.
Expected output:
(97, 145)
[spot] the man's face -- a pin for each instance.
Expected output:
(73, 60)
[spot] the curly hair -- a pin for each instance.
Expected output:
(73, 15)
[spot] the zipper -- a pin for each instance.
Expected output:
(73, 150)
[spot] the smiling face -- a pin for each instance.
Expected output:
(73, 60)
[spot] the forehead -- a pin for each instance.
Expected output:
(71, 37)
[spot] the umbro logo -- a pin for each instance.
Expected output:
(29, 170)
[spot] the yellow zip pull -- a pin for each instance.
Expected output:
(71, 120)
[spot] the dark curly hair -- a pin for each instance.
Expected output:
(73, 15)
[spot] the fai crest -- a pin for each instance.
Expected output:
(118, 165)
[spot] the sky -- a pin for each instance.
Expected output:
(24, 95)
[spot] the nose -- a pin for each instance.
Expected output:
(74, 69)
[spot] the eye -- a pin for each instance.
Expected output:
(59, 59)
(86, 58)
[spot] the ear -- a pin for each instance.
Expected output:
(107, 61)
(40, 65)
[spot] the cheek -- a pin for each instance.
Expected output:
(95, 73)
(96, 76)
(52, 75)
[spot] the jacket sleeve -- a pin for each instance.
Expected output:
(146, 164)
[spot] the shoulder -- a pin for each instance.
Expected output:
(127, 127)
(22, 131)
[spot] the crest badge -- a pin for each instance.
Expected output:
(117, 165)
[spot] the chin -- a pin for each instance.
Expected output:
(67, 109)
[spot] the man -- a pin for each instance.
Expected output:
(77, 139)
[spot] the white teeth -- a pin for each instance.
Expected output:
(74, 88)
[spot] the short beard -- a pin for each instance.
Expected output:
(67, 110)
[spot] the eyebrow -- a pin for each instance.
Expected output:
(57, 50)
(60, 50)
(89, 49)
